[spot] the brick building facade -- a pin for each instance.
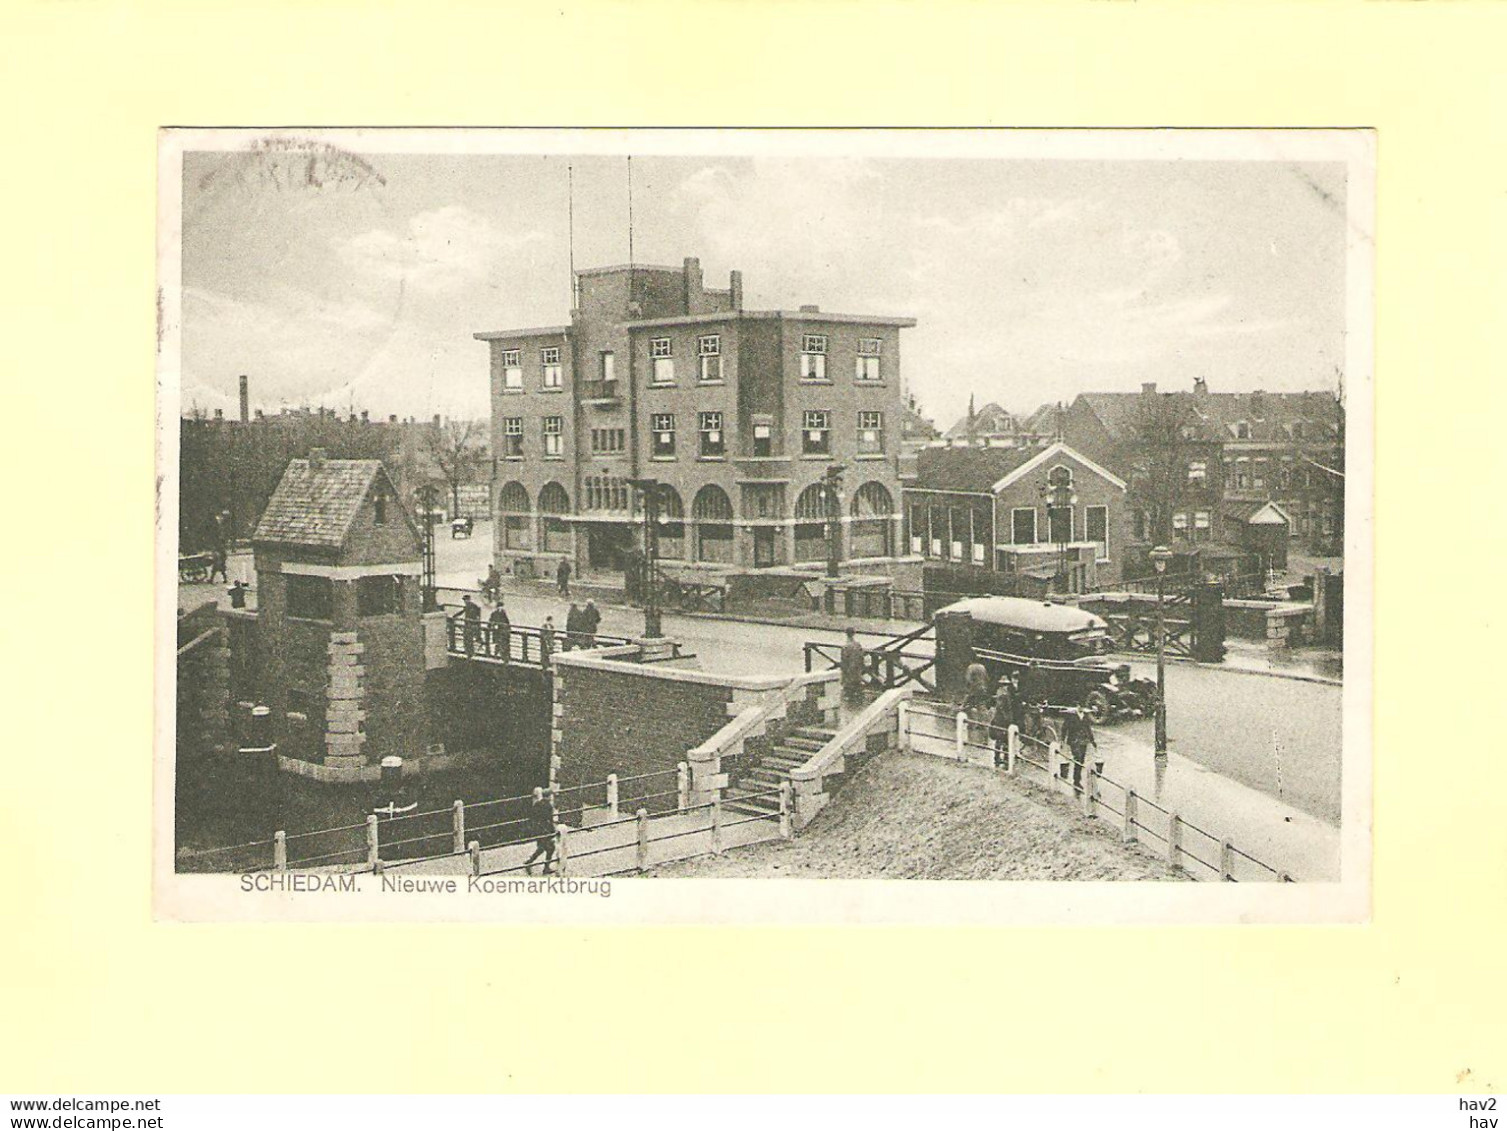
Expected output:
(736, 412)
(991, 509)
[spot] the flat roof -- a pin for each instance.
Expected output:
(792, 315)
(628, 267)
(529, 332)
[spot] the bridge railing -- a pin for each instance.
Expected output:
(519, 643)
(1188, 848)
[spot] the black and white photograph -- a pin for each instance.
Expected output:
(955, 517)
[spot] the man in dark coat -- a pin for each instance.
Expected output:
(562, 577)
(501, 630)
(1006, 714)
(591, 616)
(852, 670)
(471, 616)
(1079, 736)
(542, 827)
(572, 628)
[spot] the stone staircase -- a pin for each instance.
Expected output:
(754, 790)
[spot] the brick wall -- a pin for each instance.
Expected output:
(631, 723)
(500, 712)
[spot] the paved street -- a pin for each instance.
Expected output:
(1252, 728)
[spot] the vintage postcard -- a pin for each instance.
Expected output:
(846, 526)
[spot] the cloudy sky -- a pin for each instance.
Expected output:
(1032, 280)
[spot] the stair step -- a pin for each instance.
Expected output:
(768, 774)
(821, 734)
(785, 761)
(803, 744)
(753, 805)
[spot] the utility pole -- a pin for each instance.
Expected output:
(832, 497)
(649, 493)
(1160, 557)
(426, 501)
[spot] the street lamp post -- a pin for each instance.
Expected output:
(649, 489)
(1160, 557)
(832, 497)
(1060, 497)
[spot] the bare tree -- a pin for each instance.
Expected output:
(1166, 438)
(458, 448)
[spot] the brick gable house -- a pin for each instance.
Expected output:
(339, 617)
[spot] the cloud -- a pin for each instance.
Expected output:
(442, 250)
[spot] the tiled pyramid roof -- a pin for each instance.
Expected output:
(315, 507)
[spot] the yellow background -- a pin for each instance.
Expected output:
(96, 997)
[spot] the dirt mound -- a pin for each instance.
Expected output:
(918, 817)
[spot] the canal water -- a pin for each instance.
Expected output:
(229, 806)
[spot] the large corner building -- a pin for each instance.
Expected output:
(737, 413)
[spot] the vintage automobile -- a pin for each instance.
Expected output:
(461, 527)
(1057, 655)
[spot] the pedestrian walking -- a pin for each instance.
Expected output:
(500, 631)
(238, 593)
(1079, 734)
(492, 587)
(219, 563)
(572, 628)
(471, 623)
(1005, 712)
(546, 640)
(562, 577)
(591, 616)
(542, 827)
(852, 664)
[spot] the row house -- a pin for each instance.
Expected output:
(1048, 513)
(736, 414)
(1232, 453)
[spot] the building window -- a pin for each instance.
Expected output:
(1242, 431)
(814, 357)
(870, 433)
(378, 596)
(1242, 474)
(664, 362)
(713, 439)
(311, 598)
(1201, 530)
(606, 493)
(816, 432)
(763, 440)
(1023, 526)
(1198, 471)
(1096, 530)
(609, 366)
(554, 437)
(379, 508)
(709, 350)
(512, 370)
(1060, 524)
(512, 437)
(608, 441)
(549, 357)
(1258, 476)
(1142, 526)
(867, 368)
(663, 427)
(1180, 525)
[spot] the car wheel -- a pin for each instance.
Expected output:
(1096, 703)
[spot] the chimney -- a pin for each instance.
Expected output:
(735, 289)
(365, 418)
(1258, 404)
(695, 285)
(260, 415)
(1148, 387)
(245, 399)
(1200, 386)
(436, 420)
(220, 415)
(810, 308)
(392, 418)
(316, 459)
